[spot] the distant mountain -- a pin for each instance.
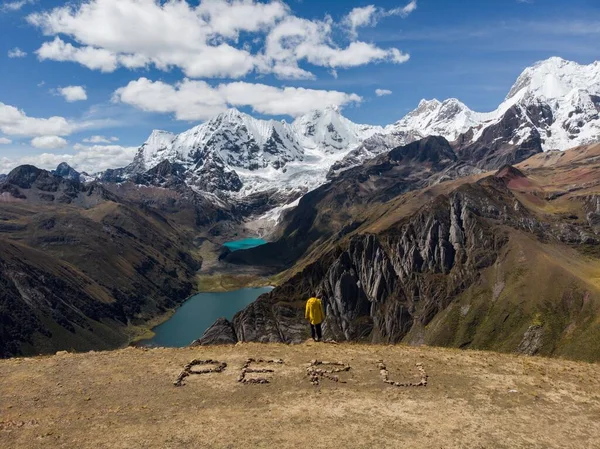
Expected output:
(64, 170)
(554, 104)
(236, 155)
(83, 264)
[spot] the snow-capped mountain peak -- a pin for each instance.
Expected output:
(154, 150)
(554, 78)
(330, 131)
(448, 118)
(237, 153)
(555, 104)
(561, 100)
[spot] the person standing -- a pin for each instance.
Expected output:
(315, 314)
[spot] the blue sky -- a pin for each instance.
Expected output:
(472, 50)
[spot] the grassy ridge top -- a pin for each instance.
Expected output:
(126, 399)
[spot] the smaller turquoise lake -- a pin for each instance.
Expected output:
(198, 313)
(244, 244)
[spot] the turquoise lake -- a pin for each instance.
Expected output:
(198, 313)
(244, 244)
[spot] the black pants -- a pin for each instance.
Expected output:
(315, 331)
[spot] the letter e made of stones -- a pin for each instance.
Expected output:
(252, 375)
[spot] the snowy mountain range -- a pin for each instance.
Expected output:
(236, 155)
(554, 104)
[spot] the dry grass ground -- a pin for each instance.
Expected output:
(126, 399)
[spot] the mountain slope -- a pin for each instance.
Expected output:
(340, 205)
(82, 265)
(457, 264)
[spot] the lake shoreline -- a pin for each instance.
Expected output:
(178, 328)
(226, 282)
(206, 283)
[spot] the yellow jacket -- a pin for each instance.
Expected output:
(314, 311)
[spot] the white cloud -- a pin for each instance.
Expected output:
(403, 11)
(73, 93)
(15, 5)
(48, 142)
(296, 39)
(5, 141)
(100, 139)
(197, 100)
(92, 58)
(360, 17)
(16, 53)
(89, 159)
(97, 158)
(203, 40)
(292, 101)
(370, 15)
(15, 122)
(382, 92)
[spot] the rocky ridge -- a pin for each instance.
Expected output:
(449, 272)
(553, 105)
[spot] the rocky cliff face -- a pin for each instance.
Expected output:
(379, 284)
(412, 280)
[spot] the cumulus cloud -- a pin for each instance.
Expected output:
(382, 92)
(203, 40)
(95, 158)
(16, 53)
(90, 159)
(100, 139)
(15, 122)
(198, 100)
(370, 15)
(92, 58)
(5, 141)
(296, 39)
(73, 93)
(48, 142)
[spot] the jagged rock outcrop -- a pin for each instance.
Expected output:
(64, 170)
(403, 284)
(502, 142)
(220, 333)
(379, 285)
(165, 174)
